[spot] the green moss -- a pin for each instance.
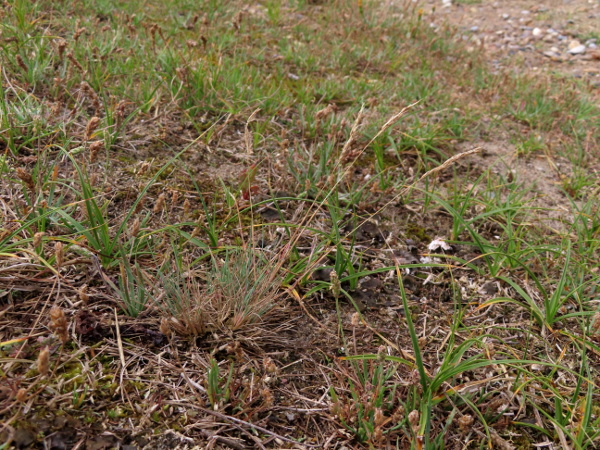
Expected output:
(416, 232)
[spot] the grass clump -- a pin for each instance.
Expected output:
(238, 292)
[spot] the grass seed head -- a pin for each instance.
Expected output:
(268, 365)
(378, 417)
(135, 227)
(465, 422)
(174, 197)
(120, 113)
(59, 324)
(398, 415)
(165, 327)
(336, 286)
(59, 253)
(83, 294)
(595, 328)
(71, 58)
(21, 63)
(89, 93)
(94, 150)
(61, 46)
(187, 206)
(21, 395)
(91, 127)
(43, 361)
(37, 238)
(413, 420)
(267, 396)
(78, 33)
(160, 204)
(26, 178)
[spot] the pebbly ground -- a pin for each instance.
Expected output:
(560, 36)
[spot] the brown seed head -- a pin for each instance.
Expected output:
(78, 33)
(89, 93)
(595, 328)
(160, 203)
(59, 324)
(120, 112)
(398, 414)
(95, 148)
(61, 46)
(165, 327)
(91, 127)
(43, 361)
(268, 365)
(186, 208)
(37, 238)
(59, 253)
(21, 63)
(21, 395)
(174, 197)
(413, 420)
(139, 206)
(237, 20)
(267, 396)
(26, 178)
(378, 417)
(135, 227)
(465, 422)
(83, 294)
(71, 58)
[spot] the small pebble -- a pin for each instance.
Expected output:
(554, 56)
(579, 50)
(536, 32)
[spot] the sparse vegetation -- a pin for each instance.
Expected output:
(258, 225)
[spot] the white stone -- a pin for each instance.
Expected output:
(579, 50)
(536, 32)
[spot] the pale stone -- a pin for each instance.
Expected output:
(579, 50)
